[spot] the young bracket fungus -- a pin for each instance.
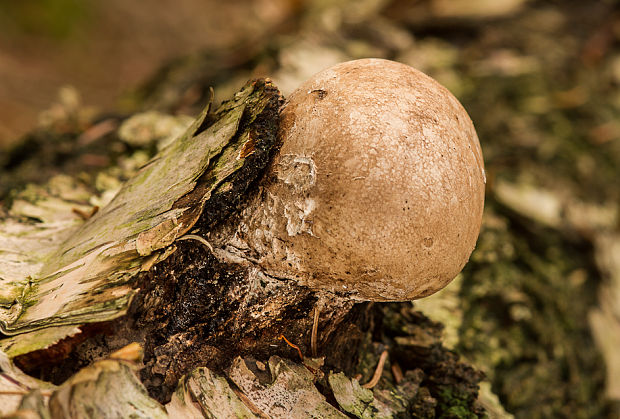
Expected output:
(377, 190)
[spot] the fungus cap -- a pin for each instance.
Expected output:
(378, 188)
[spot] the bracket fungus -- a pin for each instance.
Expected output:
(377, 189)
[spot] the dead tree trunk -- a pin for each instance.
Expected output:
(92, 263)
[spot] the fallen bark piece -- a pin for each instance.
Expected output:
(15, 386)
(182, 405)
(391, 398)
(205, 394)
(283, 389)
(355, 399)
(42, 339)
(106, 389)
(33, 406)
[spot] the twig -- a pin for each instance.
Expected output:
(315, 332)
(13, 380)
(250, 405)
(377, 376)
(292, 345)
(197, 238)
(397, 372)
(44, 393)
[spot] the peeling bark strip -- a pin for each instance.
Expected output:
(57, 269)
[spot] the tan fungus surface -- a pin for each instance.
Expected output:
(378, 188)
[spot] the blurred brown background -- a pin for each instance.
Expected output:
(105, 48)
